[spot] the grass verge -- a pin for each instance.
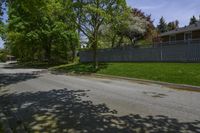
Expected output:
(35, 64)
(181, 73)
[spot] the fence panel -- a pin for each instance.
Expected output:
(171, 53)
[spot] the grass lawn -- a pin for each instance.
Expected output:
(182, 73)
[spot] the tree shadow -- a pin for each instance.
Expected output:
(64, 111)
(29, 65)
(12, 78)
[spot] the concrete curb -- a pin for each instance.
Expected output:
(143, 81)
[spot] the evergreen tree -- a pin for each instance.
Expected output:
(173, 25)
(193, 20)
(162, 27)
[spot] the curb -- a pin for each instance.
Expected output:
(143, 81)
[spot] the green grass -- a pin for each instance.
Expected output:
(182, 73)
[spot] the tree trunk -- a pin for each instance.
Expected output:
(120, 40)
(113, 40)
(95, 61)
(132, 41)
(49, 55)
(48, 52)
(73, 49)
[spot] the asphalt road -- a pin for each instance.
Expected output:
(48, 103)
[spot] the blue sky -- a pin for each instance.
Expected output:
(1, 43)
(5, 17)
(171, 10)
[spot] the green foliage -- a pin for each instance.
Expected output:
(41, 30)
(93, 14)
(162, 27)
(3, 55)
(173, 25)
(132, 26)
(165, 27)
(193, 20)
(50, 30)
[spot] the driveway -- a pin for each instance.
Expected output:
(41, 102)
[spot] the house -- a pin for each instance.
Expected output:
(191, 32)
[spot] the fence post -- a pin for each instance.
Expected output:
(161, 52)
(188, 50)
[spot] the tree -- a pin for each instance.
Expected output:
(96, 13)
(1, 9)
(2, 25)
(150, 29)
(3, 55)
(173, 25)
(193, 20)
(162, 27)
(133, 25)
(41, 29)
(136, 29)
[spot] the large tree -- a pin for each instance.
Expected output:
(96, 13)
(41, 29)
(133, 25)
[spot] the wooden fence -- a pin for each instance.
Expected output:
(173, 52)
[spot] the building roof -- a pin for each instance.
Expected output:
(192, 27)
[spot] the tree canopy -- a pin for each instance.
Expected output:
(95, 13)
(51, 30)
(162, 27)
(193, 20)
(41, 30)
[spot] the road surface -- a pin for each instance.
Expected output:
(41, 102)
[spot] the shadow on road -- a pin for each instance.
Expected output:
(60, 111)
(12, 78)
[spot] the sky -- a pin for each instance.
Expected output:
(171, 10)
(5, 17)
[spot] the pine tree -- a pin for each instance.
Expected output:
(173, 25)
(193, 20)
(162, 27)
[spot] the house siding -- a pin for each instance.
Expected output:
(196, 34)
(180, 37)
(165, 39)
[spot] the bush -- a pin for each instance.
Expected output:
(2, 57)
